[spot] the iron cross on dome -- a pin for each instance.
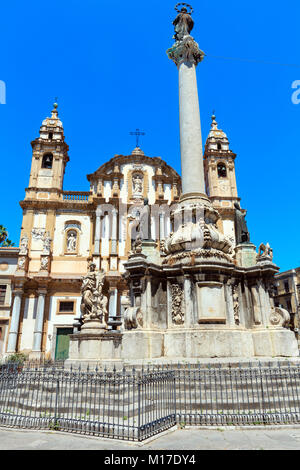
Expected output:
(137, 133)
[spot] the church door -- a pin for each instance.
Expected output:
(62, 343)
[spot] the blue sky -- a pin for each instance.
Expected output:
(107, 64)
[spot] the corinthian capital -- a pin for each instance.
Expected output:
(186, 50)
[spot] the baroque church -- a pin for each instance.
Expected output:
(62, 231)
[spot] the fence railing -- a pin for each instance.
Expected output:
(134, 404)
(123, 405)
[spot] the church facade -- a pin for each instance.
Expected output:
(62, 231)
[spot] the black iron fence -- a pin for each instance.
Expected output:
(134, 404)
(118, 404)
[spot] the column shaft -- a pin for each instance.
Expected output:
(190, 131)
(114, 230)
(38, 327)
(14, 325)
(97, 231)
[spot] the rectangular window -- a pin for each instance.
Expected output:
(286, 286)
(66, 306)
(2, 293)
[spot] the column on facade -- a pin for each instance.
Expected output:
(98, 231)
(114, 231)
(15, 321)
(113, 305)
(161, 226)
(38, 327)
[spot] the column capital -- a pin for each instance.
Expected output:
(42, 291)
(187, 50)
(18, 291)
(99, 211)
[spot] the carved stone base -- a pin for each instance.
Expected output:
(93, 326)
(90, 346)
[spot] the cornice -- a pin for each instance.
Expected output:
(130, 159)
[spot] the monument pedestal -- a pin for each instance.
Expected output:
(246, 255)
(94, 347)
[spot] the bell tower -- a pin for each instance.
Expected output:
(49, 157)
(220, 180)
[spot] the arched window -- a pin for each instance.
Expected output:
(222, 171)
(47, 161)
(219, 146)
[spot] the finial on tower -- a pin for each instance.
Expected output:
(54, 110)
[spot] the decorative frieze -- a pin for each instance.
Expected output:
(236, 305)
(177, 304)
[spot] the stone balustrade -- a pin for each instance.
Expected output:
(77, 196)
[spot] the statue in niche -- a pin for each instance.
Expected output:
(71, 242)
(183, 22)
(93, 302)
(241, 230)
(137, 183)
(44, 263)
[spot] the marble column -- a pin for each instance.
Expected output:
(114, 231)
(161, 226)
(113, 305)
(186, 55)
(38, 327)
(98, 231)
(15, 320)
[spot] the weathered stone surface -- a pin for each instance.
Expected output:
(95, 346)
(246, 255)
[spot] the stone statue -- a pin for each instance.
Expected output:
(71, 242)
(24, 245)
(241, 231)
(93, 302)
(47, 243)
(265, 251)
(145, 221)
(183, 23)
(137, 181)
(137, 245)
(44, 263)
(22, 262)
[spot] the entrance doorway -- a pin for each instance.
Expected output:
(62, 343)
